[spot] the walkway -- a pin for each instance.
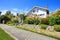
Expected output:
(24, 35)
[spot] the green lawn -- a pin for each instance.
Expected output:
(4, 36)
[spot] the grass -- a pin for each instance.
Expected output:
(41, 31)
(57, 27)
(10, 24)
(4, 35)
(43, 26)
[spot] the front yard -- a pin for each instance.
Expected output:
(42, 31)
(4, 36)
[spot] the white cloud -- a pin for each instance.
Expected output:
(15, 9)
(3, 12)
(14, 13)
(23, 10)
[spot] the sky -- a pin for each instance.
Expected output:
(17, 6)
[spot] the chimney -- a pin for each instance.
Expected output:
(47, 11)
(46, 6)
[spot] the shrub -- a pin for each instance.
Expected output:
(10, 23)
(55, 18)
(43, 26)
(14, 20)
(57, 27)
(32, 20)
(5, 18)
(44, 21)
(29, 20)
(52, 20)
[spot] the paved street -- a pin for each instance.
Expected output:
(24, 35)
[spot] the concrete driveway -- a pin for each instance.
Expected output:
(20, 34)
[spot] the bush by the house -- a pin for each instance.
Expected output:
(29, 20)
(43, 26)
(10, 23)
(14, 20)
(52, 20)
(57, 27)
(44, 21)
(32, 20)
(55, 18)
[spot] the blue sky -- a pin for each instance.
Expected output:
(25, 5)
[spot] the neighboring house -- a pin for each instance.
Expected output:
(41, 12)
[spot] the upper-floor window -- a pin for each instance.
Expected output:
(33, 11)
(40, 14)
(38, 9)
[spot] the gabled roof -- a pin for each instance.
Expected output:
(38, 8)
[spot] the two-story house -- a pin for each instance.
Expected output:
(41, 12)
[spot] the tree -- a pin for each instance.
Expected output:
(8, 12)
(5, 18)
(9, 15)
(37, 19)
(55, 18)
(32, 20)
(0, 16)
(22, 17)
(45, 21)
(0, 12)
(52, 20)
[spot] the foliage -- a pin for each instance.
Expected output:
(9, 14)
(45, 21)
(10, 23)
(57, 27)
(28, 20)
(0, 13)
(0, 16)
(14, 20)
(37, 20)
(52, 20)
(32, 20)
(55, 18)
(22, 16)
(5, 18)
(43, 26)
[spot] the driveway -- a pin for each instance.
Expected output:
(24, 35)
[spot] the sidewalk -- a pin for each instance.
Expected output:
(24, 35)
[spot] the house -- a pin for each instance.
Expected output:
(39, 11)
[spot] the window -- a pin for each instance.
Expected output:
(33, 11)
(38, 9)
(40, 14)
